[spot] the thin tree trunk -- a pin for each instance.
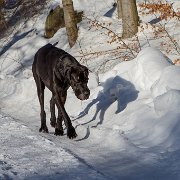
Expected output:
(119, 9)
(129, 18)
(70, 21)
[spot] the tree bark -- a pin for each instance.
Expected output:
(119, 9)
(129, 18)
(70, 21)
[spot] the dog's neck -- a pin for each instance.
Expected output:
(63, 67)
(60, 71)
(61, 81)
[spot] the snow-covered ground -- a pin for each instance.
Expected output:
(128, 129)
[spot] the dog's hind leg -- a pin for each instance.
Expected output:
(40, 90)
(52, 109)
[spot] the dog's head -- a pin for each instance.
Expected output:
(78, 78)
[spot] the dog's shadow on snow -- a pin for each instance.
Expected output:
(114, 89)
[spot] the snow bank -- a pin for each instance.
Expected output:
(154, 72)
(150, 63)
(168, 80)
(168, 102)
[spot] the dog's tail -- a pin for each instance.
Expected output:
(55, 43)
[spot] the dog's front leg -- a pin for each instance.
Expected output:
(52, 109)
(59, 128)
(71, 133)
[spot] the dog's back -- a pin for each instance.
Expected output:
(44, 61)
(40, 60)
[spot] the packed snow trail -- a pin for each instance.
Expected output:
(27, 155)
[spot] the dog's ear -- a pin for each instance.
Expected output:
(74, 74)
(86, 71)
(70, 73)
(67, 73)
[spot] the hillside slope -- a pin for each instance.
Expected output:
(129, 128)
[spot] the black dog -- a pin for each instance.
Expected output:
(58, 70)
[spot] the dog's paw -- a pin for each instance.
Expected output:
(59, 132)
(44, 130)
(52, 123)
(71, 133)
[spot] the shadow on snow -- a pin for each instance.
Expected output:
(15, 39)
(114, 89)
(111, 11)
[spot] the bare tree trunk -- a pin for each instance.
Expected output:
(129, 18)
(70, 21)
(119, 9)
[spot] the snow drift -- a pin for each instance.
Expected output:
(129, 128)
(132, 115)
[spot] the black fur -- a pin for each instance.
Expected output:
(57, 70)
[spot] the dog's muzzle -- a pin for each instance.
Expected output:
(81, 91)
(85, 95)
